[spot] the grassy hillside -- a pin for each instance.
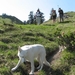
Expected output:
(48, 34)
(13, 19)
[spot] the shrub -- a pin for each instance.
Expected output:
(68, 40)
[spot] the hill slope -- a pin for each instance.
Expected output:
(50, 35)
(12, 18)
(68, 16)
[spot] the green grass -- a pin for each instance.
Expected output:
(47, 34)
(65, 64)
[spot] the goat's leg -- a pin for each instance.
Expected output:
(19, 63)
(38, 58)
(32, 67)
(41, 62)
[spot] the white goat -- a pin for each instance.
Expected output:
(29, 53)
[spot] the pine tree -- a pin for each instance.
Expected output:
(31, 17)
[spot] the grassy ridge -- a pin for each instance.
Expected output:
(47, 34)
(19, 35)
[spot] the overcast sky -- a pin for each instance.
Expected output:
(22, 8)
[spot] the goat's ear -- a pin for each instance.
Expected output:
(19, 48)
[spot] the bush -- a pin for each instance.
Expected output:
(68, 40)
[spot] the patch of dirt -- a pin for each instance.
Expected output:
(57, 54)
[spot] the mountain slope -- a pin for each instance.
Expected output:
(49, 35)
(12, 18)
(68, 16)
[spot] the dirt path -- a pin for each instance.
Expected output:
(57, 54)
(53, 58)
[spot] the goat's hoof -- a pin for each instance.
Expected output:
(31, 73)
(12, 69)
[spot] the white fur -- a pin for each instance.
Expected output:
(29, 53)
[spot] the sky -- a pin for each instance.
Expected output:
(22, 8)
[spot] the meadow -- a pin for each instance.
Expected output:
(48, 34)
